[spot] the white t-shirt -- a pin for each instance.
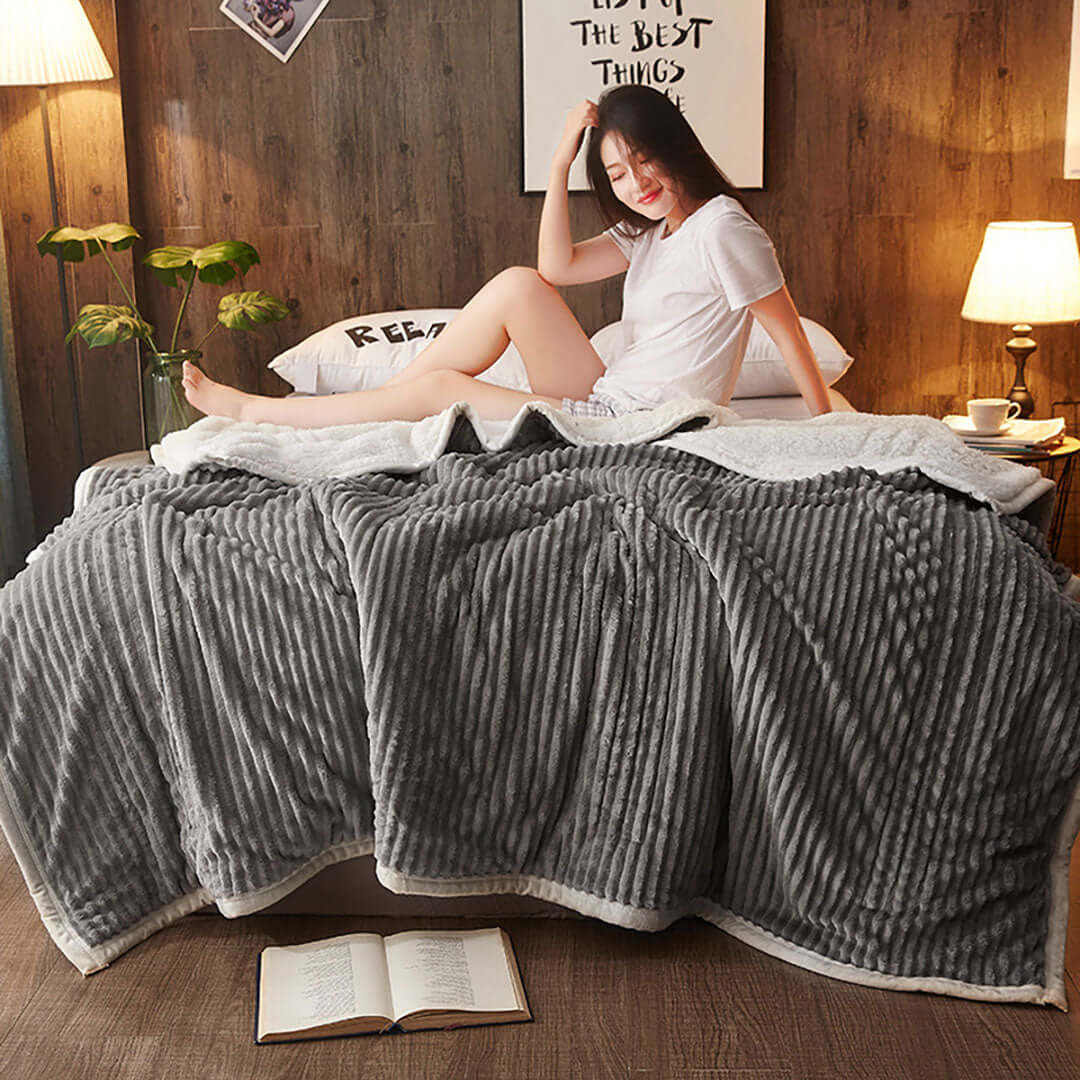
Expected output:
(685, 321)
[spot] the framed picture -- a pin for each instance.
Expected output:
(708, 56)
(277, 25)
(1072, 107)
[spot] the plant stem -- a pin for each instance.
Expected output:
(180, 313)
(127, 295)
(198, 348)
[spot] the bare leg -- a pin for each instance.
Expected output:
(424, 396)
(517, 305)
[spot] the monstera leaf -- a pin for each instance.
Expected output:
(76, 244)
(215, 264)
(107, 324)
(246, 310)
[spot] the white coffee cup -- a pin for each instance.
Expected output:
(991, 413)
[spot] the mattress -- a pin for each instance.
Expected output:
(352, 888)
(784, 408)
(247, 602)
(760, 408)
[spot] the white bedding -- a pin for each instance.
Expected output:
(758, 408)
(785, 408)
(767, 449)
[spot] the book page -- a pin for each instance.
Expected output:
(322, 982)
(462, 970)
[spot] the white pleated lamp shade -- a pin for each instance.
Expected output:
(1026, 272)
(49, 41)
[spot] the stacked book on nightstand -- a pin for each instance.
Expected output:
(1016, 438)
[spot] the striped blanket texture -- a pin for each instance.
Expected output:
(838, 715)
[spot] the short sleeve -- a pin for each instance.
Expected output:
(623, 241)
(741, 259)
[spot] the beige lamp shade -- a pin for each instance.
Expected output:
(1026, 272)
(48, 41)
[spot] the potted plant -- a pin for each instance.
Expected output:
(165, 406)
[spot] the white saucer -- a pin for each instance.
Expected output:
(962, 426)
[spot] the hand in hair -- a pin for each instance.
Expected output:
(581, 116)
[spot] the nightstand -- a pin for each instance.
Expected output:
(1057, 463)
(129, 457)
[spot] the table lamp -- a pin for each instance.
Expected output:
(1027, 274)
(47, 42)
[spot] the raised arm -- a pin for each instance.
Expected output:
(776, 312)
(559, 260)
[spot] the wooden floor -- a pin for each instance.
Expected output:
(687, 1002)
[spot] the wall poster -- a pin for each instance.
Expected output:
(1072, 112)
(708, 56)
(277, 25)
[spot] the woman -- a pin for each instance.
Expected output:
(698, 268)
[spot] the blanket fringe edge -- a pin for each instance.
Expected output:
(91, 959)
(747, 932)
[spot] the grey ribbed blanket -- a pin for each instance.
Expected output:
(837, 716)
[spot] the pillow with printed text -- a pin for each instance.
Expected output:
(363, 352)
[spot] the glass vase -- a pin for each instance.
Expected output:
(165, 405)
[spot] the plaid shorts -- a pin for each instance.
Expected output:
(593, 405)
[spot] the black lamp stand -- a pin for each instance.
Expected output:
(1020, 347)
(64, 309)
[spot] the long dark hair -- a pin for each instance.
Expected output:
(650, 123)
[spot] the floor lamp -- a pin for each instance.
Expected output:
(48, 42)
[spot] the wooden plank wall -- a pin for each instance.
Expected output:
(88, 150)
(380, 167)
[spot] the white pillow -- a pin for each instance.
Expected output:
(763, 372)
(363, 352)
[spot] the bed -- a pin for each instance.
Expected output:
(351, 887)
(812, 680)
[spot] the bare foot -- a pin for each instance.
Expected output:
(213, 398)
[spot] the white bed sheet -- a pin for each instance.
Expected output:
(759, 408)
(784, 408)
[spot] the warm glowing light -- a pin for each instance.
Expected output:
(49, 41)
(1026, 272)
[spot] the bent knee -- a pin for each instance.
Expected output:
(515, 280)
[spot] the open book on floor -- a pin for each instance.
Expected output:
(363, 984)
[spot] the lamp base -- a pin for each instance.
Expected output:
(1020, 347)
(1022, 396)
